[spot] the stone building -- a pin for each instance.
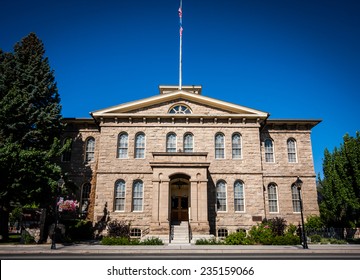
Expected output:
(181, 158)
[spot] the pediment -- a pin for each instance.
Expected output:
(160, 105)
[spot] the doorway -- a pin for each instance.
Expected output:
(180, 190)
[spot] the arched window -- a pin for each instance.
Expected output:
(85, 197)
(137, 204)
(291, 147)
(188, 143)
(221, 195)
(236, 146)
(239, 200)
(295, 199)
(219, 146)
(140, 145)
(273, 199)
(119, 193)
(123, 145)
(180, 109)
(90, 149)
(66, 156)
(171, 143)
(269, 150)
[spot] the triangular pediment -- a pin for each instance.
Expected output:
(160, 104)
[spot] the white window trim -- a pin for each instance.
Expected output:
(277, 199)
(243, 185)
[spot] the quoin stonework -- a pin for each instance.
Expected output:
(181, 159)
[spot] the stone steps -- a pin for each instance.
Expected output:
(181, 233)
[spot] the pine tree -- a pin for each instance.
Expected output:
(30, 128)
(340, 187)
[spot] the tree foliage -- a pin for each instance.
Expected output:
(340, 187)
(30, 125)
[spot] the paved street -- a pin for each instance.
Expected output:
(90, 251)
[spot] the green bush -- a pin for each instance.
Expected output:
(261, 234)
(119, 229)
(277, 225)
(109, 240)
(204, 241)
(238, 238)
(286, 239)
(80, 230)
(152, 241)
(315, 238)
(313, 222)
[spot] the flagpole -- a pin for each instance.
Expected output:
(180, 54)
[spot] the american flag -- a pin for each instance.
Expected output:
(180, 12)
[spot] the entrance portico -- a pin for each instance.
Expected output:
(180, 191)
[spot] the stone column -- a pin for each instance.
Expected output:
(160, 212)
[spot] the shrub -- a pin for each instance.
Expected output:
(109, 240)
(287, 239)
(119, 229)
(315, 238)
(277, 225)
(152, 241)
(204, 241)
(80, 230)
(261, 234)
(313, 222)
(238, 238)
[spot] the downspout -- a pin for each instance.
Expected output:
(262, 163)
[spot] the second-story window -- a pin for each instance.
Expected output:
(171, 143)
(90, 149)
(140, 145)
(123, 145)
(269, 150)
(188, 143)
(291, 147)
(219, 146)
(236, 146)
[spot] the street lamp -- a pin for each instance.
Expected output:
(298, 183)
(60, 184)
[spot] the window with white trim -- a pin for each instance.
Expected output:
(85, 197)
(291, 147)
(135, 232)
(123, 145)
(222, 232)
(269, 150)
(295, 199)
(188, 143)
(140, 145)
(119, 195)
(272, 198)
(137, 199)
(236, 146)
(221, 195)
(171, 143)
(239, 199)
(90, 149)
(219, 146)
(180, 109)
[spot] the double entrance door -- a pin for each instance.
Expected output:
(179, 208)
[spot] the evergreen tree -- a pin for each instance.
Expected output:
(30, 128)
(340, 187)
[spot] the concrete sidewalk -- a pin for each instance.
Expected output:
(352, 250)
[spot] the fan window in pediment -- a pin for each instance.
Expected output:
(180, 109)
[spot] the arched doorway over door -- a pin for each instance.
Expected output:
(180, 197)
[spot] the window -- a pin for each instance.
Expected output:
(236, 145)
(135, 232)
(239, 196)
(221, 196)
(180, 109)
(222, 232)
(171, 143)
(123, 145)
(85, 197)
(188, 143)
(140, 145)
(295, 199)
(119, 196)
(66, 156)
(138, 196)
(291, 147)
(219, 146)
(90, 149)
(272, 196)
(269, 150)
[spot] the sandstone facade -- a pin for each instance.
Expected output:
(181, 184)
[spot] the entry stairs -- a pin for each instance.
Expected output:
(180, 233)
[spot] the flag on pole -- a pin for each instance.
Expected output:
(180, 12)
(180, 18)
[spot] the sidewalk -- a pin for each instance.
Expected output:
(179, 250)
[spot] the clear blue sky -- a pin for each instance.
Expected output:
(291, 58)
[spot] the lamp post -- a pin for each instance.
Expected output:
(60, 184)
(298, 184)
